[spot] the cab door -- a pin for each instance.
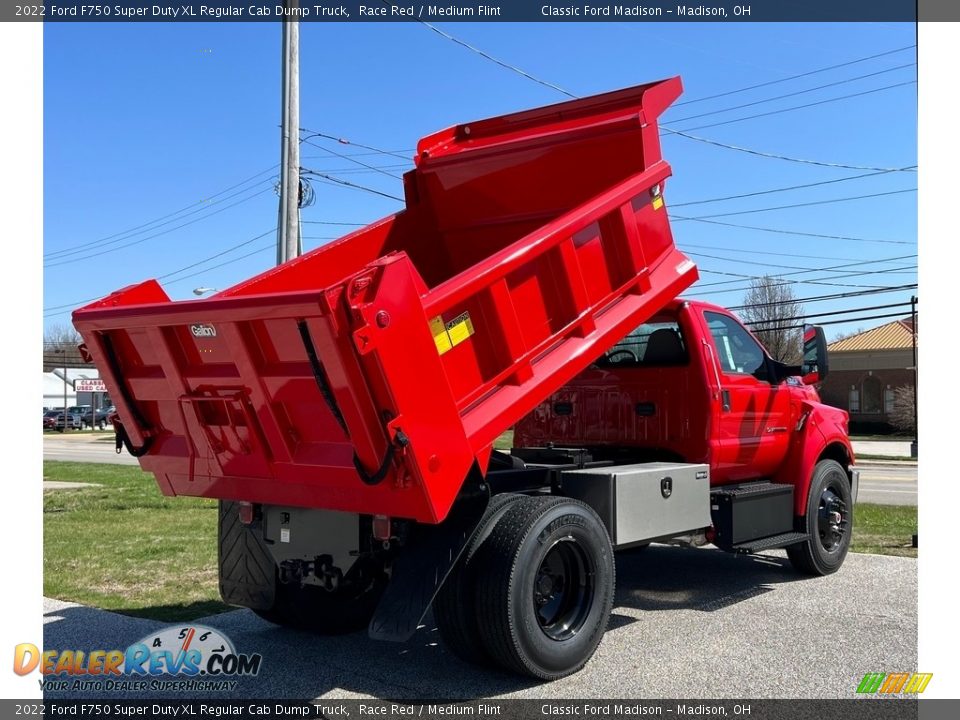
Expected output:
(751, 431)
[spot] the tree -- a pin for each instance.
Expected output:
(60, 348)
(774, 314)
(903, 417)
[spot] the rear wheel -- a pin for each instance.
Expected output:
(454, 607)
(829, 521)
(545, 588)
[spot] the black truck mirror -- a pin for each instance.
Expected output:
(815, 362)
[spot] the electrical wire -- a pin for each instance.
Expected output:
(799, 233)
(797, 267)
(801, 107)
(788, 188)
(792, 94)
(347, 183)
(680, 218)
(834, 322)
(87, 245)
(156, 235)
(794, 77)
(833, 296)
(345, 141)
(685, 245)
(807, 316)
(372, 168)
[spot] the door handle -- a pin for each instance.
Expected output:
(725, 398)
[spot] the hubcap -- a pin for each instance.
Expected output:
(832, 520)
(563, 589)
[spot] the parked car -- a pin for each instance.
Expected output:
(64, 421)
(98, 419)
(50, 419)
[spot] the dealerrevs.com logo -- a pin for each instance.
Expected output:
(193, 657)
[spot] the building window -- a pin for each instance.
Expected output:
(872, 396)
(853, 402)
(888, 400)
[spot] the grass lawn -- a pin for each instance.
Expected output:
(123, 546)
(884, 529)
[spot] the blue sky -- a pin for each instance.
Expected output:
(145, 126)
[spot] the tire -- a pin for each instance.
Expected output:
(545, 587)
(828, 520)
(338, 612)
(454, 608)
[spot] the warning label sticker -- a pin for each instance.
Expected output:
(450, 334)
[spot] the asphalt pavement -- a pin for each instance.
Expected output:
(84, 447)
(688, 623)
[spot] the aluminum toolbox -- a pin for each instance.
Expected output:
(644, 502)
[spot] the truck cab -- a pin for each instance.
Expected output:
(693, 385)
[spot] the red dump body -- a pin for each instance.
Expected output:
(529, 244)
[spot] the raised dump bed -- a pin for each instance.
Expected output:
(370, 375)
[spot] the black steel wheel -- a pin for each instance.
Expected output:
(545, 587)
(828, 520)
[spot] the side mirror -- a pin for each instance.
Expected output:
(815, 362)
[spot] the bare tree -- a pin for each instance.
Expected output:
(774, 314)
(60, 348)
(903, 417)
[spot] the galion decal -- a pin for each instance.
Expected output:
(203, 331)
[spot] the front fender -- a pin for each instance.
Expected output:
(821, 431)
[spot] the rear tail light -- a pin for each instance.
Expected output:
(381, 527)
(246, 513)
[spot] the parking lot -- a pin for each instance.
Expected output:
(687, 623)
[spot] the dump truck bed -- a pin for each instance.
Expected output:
(373, 374)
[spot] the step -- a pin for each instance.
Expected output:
(746, 489)
(769, 543)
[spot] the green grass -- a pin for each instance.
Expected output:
(505, 441)
(124, 547)
(884, 529)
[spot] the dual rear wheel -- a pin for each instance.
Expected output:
(534, 589)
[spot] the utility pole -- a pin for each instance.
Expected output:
(288, 225)
(913, 323)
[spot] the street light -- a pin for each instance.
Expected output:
(204, 290)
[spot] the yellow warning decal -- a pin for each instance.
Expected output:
(657, 202)
(449, 335)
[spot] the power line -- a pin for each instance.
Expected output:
(345, 141)
(762, 252)
(791, 232)
(774, 156)
(87, 245)
(816, 281)
(156, 235)
(372, 168)
(328, 222)
(794, 77)
(680, 218)
(805, 105)
(837, 322)
(834, 296)
(796, 267)
(807, 316)
(347, 183)
(792, 94)
(786, 189)
(663, 127)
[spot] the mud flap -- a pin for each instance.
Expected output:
(247, 570)
(420, 570)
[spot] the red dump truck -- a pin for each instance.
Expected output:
(343, 407)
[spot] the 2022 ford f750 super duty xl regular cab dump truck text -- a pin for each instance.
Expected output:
(343, 406)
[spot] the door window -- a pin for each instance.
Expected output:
(737, 350)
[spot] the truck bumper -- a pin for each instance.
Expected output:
(854, 482)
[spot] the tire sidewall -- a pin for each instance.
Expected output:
(828, 473)
(552, 657)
